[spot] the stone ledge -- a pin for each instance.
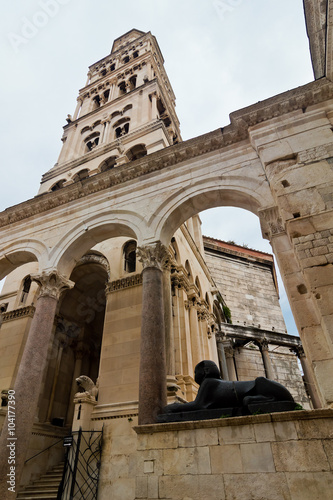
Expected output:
(236, 421)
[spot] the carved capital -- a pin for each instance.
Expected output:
(153, 256)
(271, 222)
(299, 351)
(263, 345)
(52, 284)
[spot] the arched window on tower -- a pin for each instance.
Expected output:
(122, 88)
(108, 164)
(26, 285)
(136, 152)
(92, 141)
(96, 102)
(132, 82)
(58, 185)
(82, 174)
(130, 256)
(188, 271)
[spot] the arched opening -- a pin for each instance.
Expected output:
(82, 174)
(92, 141)
(26, 285)
(122, 88)
(130, 256)
(77, 340)
(121, 127)
(108, 164)
(136, 152)
(132, 82)
(58, 185)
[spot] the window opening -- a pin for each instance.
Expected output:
(25, 289)
(130, 256)
(122, 88)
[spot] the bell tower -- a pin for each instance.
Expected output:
(125, 111)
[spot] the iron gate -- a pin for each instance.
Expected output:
(82, 465)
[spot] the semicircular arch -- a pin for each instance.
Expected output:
(22, 252)
(195, 198)
(91, 231)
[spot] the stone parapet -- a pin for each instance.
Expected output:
(274, 456)
(21, 312)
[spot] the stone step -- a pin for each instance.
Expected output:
(44, 488)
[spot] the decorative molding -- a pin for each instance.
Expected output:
(96, 259)
(18, 313)
(153, 256)
(52, 284)
(310, 94)
(121, 284)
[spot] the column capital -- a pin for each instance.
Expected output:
(299, 351)
(52, 284)
(154, 256)
(263, 344)
(271, 222)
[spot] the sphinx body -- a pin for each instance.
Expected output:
(238, 398)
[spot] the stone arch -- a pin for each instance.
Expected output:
(22, 252)
(80, 239)
(187, 202)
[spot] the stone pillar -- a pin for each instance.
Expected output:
(263, 346)
(168, 323)
(79, 352)
(308, 377)
(31, 371)
(77, 109)
(195, 333)
(223, 361)
(302, 271)
(229, 354)
(62, 340)
(154, 113)
(152, 378)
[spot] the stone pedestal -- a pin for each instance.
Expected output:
(83, 407)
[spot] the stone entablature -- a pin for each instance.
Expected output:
(313, 93)
(123, 283)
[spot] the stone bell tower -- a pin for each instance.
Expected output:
(125, 111)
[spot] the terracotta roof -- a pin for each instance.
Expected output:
(238, 248)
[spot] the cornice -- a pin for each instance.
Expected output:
(121, 284)
(310, 94)
(19, 313)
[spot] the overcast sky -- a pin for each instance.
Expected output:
(220, 56)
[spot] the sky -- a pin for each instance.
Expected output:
(220, 56)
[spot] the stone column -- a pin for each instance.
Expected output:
(62, 341)
(154, 112)
(30, 374)
(229, 354)
(77, 109)
(152, 378)
(79, 352)
(308, 377)
(195, 333)
(263, 346)
(223, 361)
(169, 334)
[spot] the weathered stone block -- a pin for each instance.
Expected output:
(161, 440)
(236, 434)
(257, 457)
(201, 437)
(315, 429)
(186, 461)
(284, 431)
(226, 459)
(310, 486)
(300, 456)
(191, 487)
(256, 487)
(141, 487)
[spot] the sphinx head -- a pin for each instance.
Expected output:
(206, 369)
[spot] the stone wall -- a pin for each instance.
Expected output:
(247, 285)
(282, 456)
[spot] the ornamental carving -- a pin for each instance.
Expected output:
(153, 256)
(18, 313)
(271, 222)
(52, 284)
(123, 283)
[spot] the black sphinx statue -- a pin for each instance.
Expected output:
(218, 398)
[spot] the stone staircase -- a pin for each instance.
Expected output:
(44, 488)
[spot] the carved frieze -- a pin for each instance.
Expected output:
(271, 222)
(21, 312)
(128, 282)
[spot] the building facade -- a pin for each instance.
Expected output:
(109, 276)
